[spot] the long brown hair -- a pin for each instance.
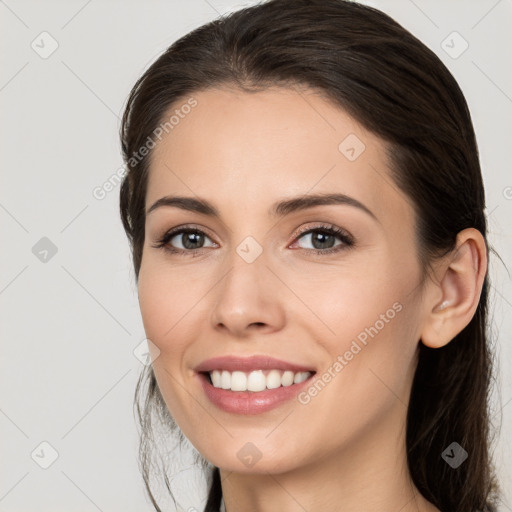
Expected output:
(383, 76)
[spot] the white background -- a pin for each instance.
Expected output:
(69, 325)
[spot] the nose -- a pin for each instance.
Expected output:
(249, 298)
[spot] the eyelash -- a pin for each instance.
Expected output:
(346, 239)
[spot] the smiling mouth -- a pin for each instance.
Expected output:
(255, 381)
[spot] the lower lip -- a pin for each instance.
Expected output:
(248, 402)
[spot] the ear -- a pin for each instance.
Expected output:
(455, 296)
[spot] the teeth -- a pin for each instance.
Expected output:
(256, 380)
(273, 379)
(225, 380)
(300, 377)
(287, 378)
(238, 381)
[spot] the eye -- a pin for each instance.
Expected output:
(183, 240)
(322, 239)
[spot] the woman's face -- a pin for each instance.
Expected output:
(347, 308)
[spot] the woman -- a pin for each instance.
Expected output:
(305, 207)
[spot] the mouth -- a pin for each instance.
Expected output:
(255, 374)
(255, 381)
(252, 385)
(254, 392)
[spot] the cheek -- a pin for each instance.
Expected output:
(153, 301)
(349, 301)
(163, 301)
(368, 370)
(371, 320)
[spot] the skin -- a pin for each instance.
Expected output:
(345, 449)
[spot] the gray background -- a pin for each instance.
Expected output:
(70, 320)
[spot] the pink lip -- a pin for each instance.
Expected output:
(247, 402)
(247, 364)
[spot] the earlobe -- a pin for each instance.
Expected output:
(460, 280)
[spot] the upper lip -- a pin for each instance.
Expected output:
(247, 364)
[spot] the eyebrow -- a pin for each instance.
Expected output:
(280, 208)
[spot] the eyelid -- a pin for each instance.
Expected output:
(325, 226)
(187, 227)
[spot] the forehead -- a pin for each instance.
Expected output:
(247, 150)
